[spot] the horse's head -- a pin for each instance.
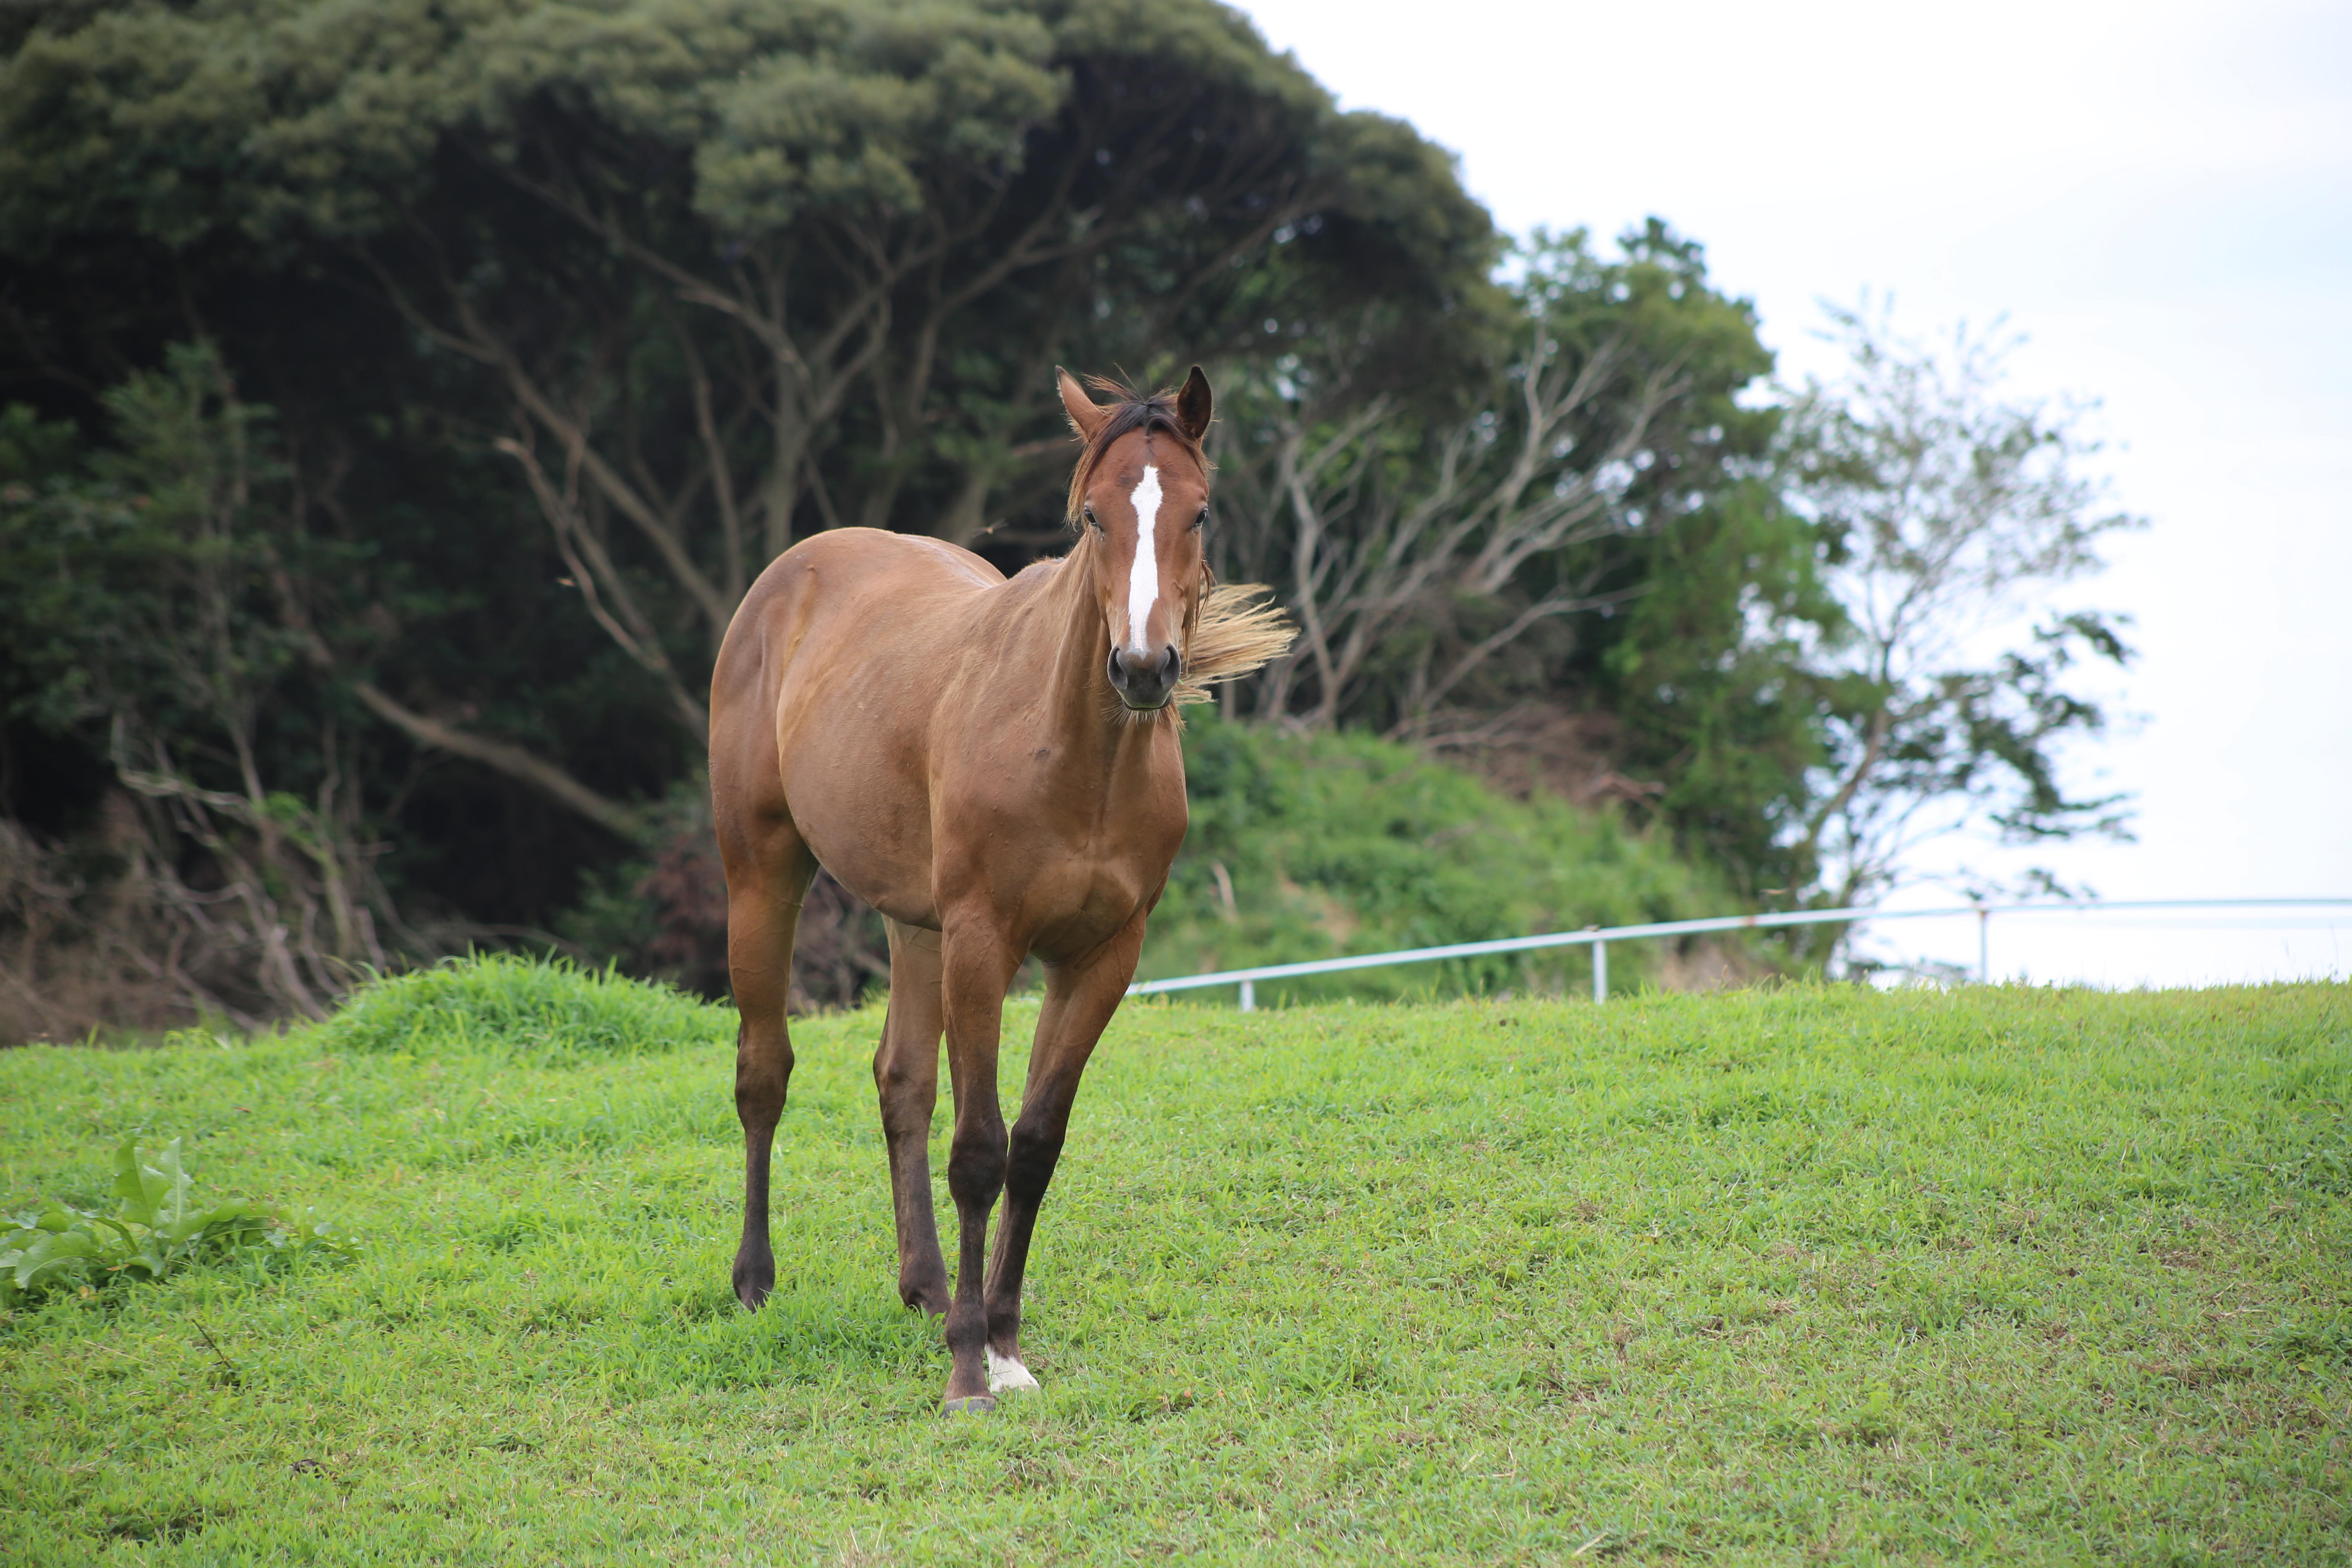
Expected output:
(1141, 491)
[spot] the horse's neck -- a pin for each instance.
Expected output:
(1077, 689)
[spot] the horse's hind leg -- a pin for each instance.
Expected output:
(768, 874)
(907, 1078)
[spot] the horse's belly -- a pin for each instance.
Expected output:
(828, 654)
(863, 826)
(852, 780)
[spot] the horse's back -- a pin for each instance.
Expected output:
(853, 574)
(841, 593)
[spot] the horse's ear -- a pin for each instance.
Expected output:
(1194, 405)
(1086, 415)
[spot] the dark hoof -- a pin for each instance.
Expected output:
(929, 1294)
(972, 1404)
(753, 1283)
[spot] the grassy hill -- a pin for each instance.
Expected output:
(1312, 845)
(1993, 1275)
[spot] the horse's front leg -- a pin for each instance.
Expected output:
(978, 964)
(1079, 1001)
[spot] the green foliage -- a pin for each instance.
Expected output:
(1814, 1272)
(545, 1010)
(134, 576)
(157, 594)
(1313, 845)
(327, 115)
(157, 1230)
(1710, 681)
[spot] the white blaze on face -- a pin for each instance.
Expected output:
(1144, 576)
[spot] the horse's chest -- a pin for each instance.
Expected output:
(1082, 902)
(1085, 857)
(1072, 869)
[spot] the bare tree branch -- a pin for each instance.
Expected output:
(598, 578)
(510, 760)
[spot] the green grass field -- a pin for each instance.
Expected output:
(1806, 1274)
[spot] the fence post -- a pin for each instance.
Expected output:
(1600, 969)
(1984, 947)
(1249, 996)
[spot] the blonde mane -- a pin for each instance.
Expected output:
(1239, 631)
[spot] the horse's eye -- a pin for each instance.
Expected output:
(1092, 520)
(1201, 522)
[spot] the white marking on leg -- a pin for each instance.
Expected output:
(1144, 576)
(1004, 1372)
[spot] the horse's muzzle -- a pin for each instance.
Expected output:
(1143, 680)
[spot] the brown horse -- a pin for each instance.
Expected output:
(994, 765)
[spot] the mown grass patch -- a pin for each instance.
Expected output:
(1990, 1275)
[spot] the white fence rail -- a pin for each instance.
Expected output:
(1599, 938)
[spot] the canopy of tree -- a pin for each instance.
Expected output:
(406, 394)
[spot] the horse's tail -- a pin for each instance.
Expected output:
(1238, 631)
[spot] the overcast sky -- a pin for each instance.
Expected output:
(2159, 196)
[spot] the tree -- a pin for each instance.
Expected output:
(1945, 512)
(711, 274)
(152, 586)
(574, 313)
(1560, 530)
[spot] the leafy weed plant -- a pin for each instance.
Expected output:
(157, 1229)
